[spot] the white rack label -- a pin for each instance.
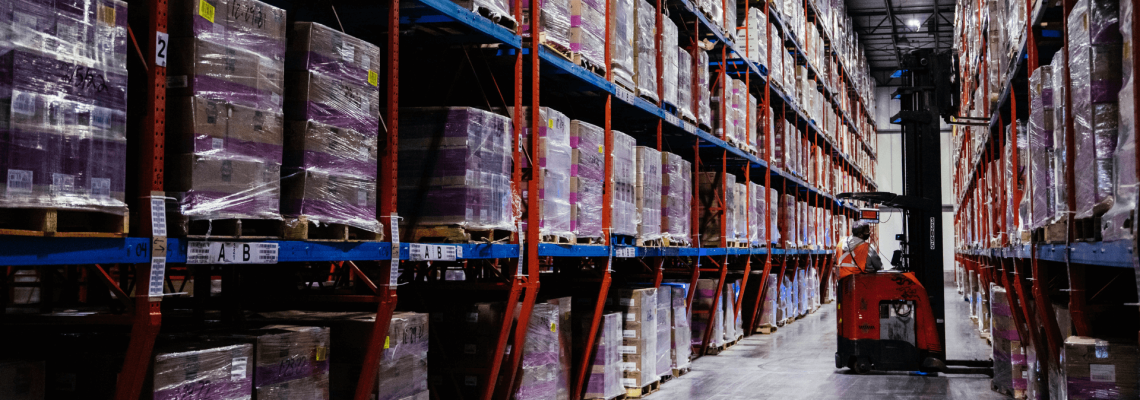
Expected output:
(162, 42)
(237, 368)
(625, 252)
(688, 127)
(625, 95)
(522, 246)
(157, 276)
(1102, 373)
(672, 119)
(394, 269)
(158, 217)
(231, 253)
(432, 252)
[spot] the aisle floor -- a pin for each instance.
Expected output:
(798, 362)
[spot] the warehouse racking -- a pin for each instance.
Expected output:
(1061, 278)
(522, 71)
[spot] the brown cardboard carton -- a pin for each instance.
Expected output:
(198, 124)
(256, 126)
(190, 57)
(209, 174)
(330, 44)
(252, 17)
(1098, 369)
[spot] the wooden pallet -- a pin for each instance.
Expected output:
(577, 58)
(737, 245)
(1087, 229)
(637, 393)
(715, 350)
(688, 120)
(236, 228)
(457, 234)
(62, 223)
(1009, 392)
(558, 239)
(1056, 232)
(671, 242)
(766, 329)
(506, 21)
(679, 372)
(666, 378)
(302, 229)
(555, 48)
(590, 241)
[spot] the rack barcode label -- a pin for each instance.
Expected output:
(100, 188)
(19, 181)
(394, 266)
(157, 276)
(624, 95)
(625, 252)
(1102, 373)
(158, 217)
(237, 368)
(432, 252)
(24, 103)
(231, 253)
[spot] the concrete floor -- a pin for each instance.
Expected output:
(798, 362)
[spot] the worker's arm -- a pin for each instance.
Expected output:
(874, 263)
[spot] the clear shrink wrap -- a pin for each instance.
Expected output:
(723, 114)
(1095, 50)
(715, 200)
(787, 220)
(647, 194)
(702, 92)
(729, 300)
(685, 103)
(714, 10)
(768, 304)
(64, 143)
(455, 169)
(751, 135)
(669, 71)
(565, 330)
(540, 370)
(494, 9)
(1118, 222)
(623, 42)
(755, 36)
(664, 332)
(226, 63)
(624, 179)
(554, 23)
(588, 32)
(703, 301)
(1097, 369)
(773, 217)
(605, 377)
(739, 114)
(756, 214)
(1009, 360)
(682, 347)
(289, 362)
(676, 198)
(738, 203)
(1041, 146)
(730, 22)
(218, 372)
(645, 54)
(554, 165)
(1060, 134)
(776, 59)
(332, 103)
(587, 179)
(639, 336)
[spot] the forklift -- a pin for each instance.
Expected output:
(894, 320)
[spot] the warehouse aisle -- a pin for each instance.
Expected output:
(797, 362)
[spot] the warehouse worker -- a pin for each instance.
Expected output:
(855, 255)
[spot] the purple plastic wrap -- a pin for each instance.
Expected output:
(647, 194)
(755, 41)
(1095, 45)
(540, 369)
(624, 179)
(669, 58)
(676, 198)
(63, 144)
(555, 165)
(1118, 222)
(685, 84)
(768, 304)
(605, 377)
(664, 332)
(645, 55)
(587, 178)
(1009, 361)
(588, 32)
(318, 48)
(289, 361)
(1060, 134)
(738, 211)
(623, 42)
(702, 90)
(213, 372)
(455, 169)
(554, 22)
(1041, 186)
(565, 330)
(639, 336)
(1098, 369)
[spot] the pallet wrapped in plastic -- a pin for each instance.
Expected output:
(738, 207)
(553, 24)
(676, 198)
(740, 114)
(539, 370)
(76, 161)
(1009, 362)
(645, 53)
(225, 63)
(588, 33)
(786, 209)
(623, 42)
(289, 361)
(768, 304)
(754, 38)
(1060, 134)
(664, 332)
(756, 210)
(554, 161)
(752, 135)
(723, 113)
(703, 301)
(729, 301)
(565, 330)
(623, 181)
(730, 22)
(685, 103)
(776, 60)
(774, 216)
(669, 71)
(1098, 369)
(455, 169)
(495, 10)
(1041, 146)
(1117, 223)
(647, 194)
(604, 381)
(639, 342)
(714, 11)
(220, 372)
(587, 179)
(714, 191)
(1095, 69)
(701, 92)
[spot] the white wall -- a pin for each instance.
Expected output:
(889, 178)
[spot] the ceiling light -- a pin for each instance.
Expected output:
(914, 25)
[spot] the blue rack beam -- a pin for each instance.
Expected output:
(445, 11)
(1118, 254)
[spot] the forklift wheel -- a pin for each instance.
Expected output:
(862, 366)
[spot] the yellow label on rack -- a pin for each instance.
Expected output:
(206, 10)
(373, 78)
(387, 341)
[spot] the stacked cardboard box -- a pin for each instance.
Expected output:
(605, 380)
(588, 32)
(645, 55)
(332, 106)
(223, 371)
(664, 365)
(1008, 356)
(63, 143)
(786, 209)
(704, 314)
(729, 301)
(755, 36)
(702, 90)
(639, 343)
(226, 74)
(681, 348)
(685, 103)
(647, 194)
(565, 330)
(768, 304)
(1095, 47)
(712, 194)
(623, 181)
(738, 209)
(1098, 369)
(289, 361)
(669, 59)
(455, 168)
(676, 198)
(555, 163)
(540, 370)
(553, 23)
(587, 179)
(756, 213)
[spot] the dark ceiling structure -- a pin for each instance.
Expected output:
(889, 29)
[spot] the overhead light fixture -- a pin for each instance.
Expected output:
(914, 24)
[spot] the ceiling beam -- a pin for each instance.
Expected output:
(879, 12)
(894, 32)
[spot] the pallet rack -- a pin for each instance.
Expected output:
(135, 264)
(1035, 273)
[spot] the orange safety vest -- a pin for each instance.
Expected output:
(853, 262)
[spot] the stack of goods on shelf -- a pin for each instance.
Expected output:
(554, 170)
(540, 370)
(623, 42)
(587, 179)
(553, 24)
(605, 379)
(1095, 69)
(455, 171)
(669, 59)
(738, 208)
(288, 361)
(714, 11)
(1041, 148)
(754, 35)
(647, 195)
(1008, 356)
(676, 199)
(1117, 223)
(685, 103)
(702, 90)
(725, 123)
(1097, 369)
(639, 343)
(1060, 135)
(789, 74)
(57, 162)
(226, 77)
(786, 207)
(728, 297)
(645, 54)
(496, 10)
(682, 346)
(624, 208)
(704, 314)
(218, 369)
(773, 217)
(776, 60)
(715, 202)
(768, 304)
(333, 113)
(466, 338)
(664, 321)
(588, 34)
(565, 330)
(756, 212)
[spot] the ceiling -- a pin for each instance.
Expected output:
(889, 29)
